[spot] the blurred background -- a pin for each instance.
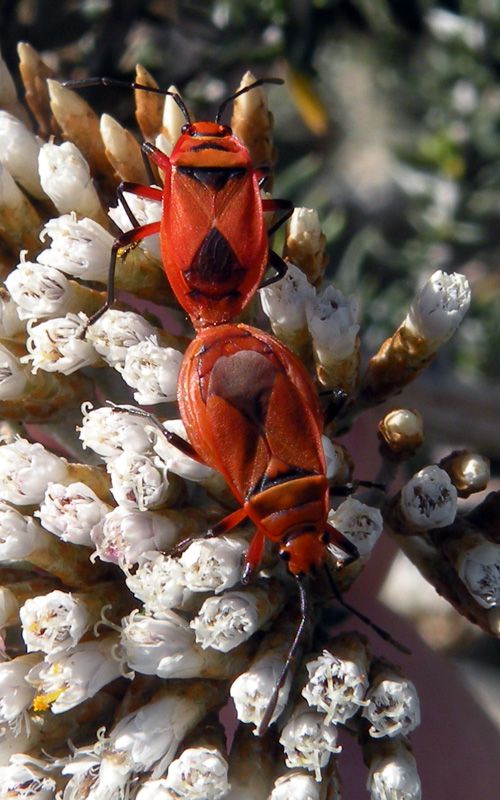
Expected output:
(390, 127)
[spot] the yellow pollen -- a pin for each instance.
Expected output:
(42, 702)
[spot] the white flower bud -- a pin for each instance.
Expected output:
(479, 568)
(71, 678)
(394, 776)
(252, 690)
(26, 470)
(65, 178)
(163, 647)
(115, 332)
(39, 291)
(159, 581)
(53, 623)
(19, 150)
(13, 377)
(296, 784)
(155, 790)
(15, 694)
(152, 370)
(225, 622)
(336, 685)
(331, 318)
(284, 302)
(359, 523)
(145, 211)
(18, 534)
(123, 535)
(136, 482)
(175, 460)
(70, 512)
(308, 741)
(97, 777)
(335, 461)
(429, 499)
(198, 773)
(11, 196)
(10, 324)
(393, 706)
(440, 307)
(20, 781)
(213, 564)
(57, 345)
(112, 431)
(81, 248)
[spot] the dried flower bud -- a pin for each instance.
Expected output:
(309, 740)
(439, 307)
(251, 122)
(469, 472)
(429, 499)
(123, 151)
(401, 431)
(478, 565)
(172, 122)
(305, 244)
(65, 178)
(225, 622)
(152, 370)
(80, 247)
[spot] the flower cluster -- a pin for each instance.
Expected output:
(124, 629)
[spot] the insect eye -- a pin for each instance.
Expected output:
(186, 128)
(325, 538)
(285, 555)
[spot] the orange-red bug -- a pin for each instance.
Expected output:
(213, 237)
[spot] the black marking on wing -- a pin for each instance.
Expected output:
(214, 178)
(215, 270)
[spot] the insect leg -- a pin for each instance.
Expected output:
(150, 192)
(304, 617)
(172, 438)
(253, 556)
(279, 265)
(275, 204)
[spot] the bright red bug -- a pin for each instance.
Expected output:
(214, 242)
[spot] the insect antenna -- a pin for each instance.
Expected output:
(86, 82)
(380, 631)
(304, 617)
(245, 89)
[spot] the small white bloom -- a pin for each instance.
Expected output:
(53, 623)
(26, 470)
(298, 785)
(199, 773)
(440, 307)
(394, 777)
(15, 694)
(10, 324)
(155, 790)
(225, 622)
(175, 460)
(70, 512)
(284, 302)
(57, 345)
(308, 741)
(25, 782)
(65, 178)
(123, 535)
(145, 211)
(13, 377)
(98, 777)
(213, 564)
(70, 679)
(11, 197)
(19, 150)
(393, 707)
(39, 291)
(152, 370)
(115, 332)
(160, 582)
(331, 318)
(429, 499)
(163, 647)
(80, 247)
(479, 569)
(112, 431)
(18, 534)
(137, 482)
(336, 686)
(252, 690)
(337, 470)
(359, 523)
(447, 26)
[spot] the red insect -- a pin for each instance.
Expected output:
(214, 242)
